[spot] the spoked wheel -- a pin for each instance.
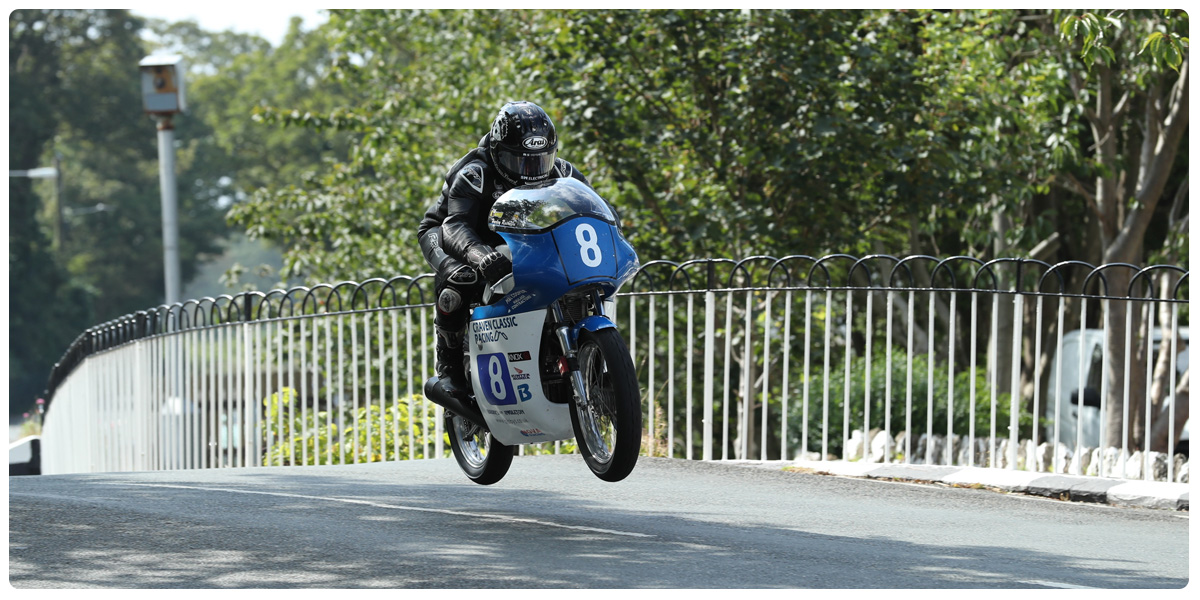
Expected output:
(484, 459)
(609, 430)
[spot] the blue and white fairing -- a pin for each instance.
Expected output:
(562, 236)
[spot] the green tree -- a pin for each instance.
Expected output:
(994, 117)
(232, 78)
(76, 93)
(47, 309)
(1129, 75)
(742, 132)
(110, 159)
(715, 132)
(429, 83)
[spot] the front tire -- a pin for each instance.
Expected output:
(609, 430)
(484, 459)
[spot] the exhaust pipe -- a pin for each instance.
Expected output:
(440, 397)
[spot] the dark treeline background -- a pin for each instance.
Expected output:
(1059, 135)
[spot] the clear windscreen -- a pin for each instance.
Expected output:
(542, 205)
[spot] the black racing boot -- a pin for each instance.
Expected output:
(451, 376)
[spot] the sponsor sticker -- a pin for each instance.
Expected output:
(492, 330)
(536, 142)
(518, 357)
(518, 298)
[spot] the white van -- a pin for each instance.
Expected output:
(1091, 343)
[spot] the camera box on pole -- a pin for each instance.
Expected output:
(162, 84)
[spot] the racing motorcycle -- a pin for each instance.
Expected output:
(544, 358)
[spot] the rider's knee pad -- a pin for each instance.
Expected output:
(449, 301)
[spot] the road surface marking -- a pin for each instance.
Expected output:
(1053, 584)
(442, 511)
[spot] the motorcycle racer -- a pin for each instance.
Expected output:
(520, 149)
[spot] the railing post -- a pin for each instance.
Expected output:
(249, 404)
(1015, 395)
(710, 336)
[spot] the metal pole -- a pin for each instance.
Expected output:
(170, 218)
(58, 202)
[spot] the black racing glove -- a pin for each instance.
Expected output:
(490, 263)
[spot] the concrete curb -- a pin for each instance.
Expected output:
(1102, 490)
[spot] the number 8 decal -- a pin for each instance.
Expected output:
(496, 380)
(589, 249)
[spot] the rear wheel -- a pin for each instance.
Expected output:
(484, 459)
(609, 429)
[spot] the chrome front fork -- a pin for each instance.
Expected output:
(570, 350)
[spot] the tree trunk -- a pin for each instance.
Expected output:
(1118, 321)
(1123, 231)
(1159, 389)
(1158, 439)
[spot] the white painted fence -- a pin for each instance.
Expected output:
(762, 359)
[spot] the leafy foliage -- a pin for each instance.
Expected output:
(921, 395)
(370, 434)
(432, 81)
(232, 78)
(1100, 35)
(732, 132)
(716, 133)
(76, 94)
(996, 116)
(1138, 122)
(65, 83)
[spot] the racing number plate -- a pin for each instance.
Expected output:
(586, 249)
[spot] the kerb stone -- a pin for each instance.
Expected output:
(1152, 494)
(1092, 490)
(1052, 486)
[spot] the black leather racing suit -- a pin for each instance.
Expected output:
(454, 233)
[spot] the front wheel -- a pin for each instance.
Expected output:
(609, 430)
(484, 459)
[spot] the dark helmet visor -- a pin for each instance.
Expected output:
(527, 166)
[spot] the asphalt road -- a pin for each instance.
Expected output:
(551, 524)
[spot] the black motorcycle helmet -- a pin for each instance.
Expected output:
(523, 143)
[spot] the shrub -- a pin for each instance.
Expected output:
(920, 400)
(369, 434)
